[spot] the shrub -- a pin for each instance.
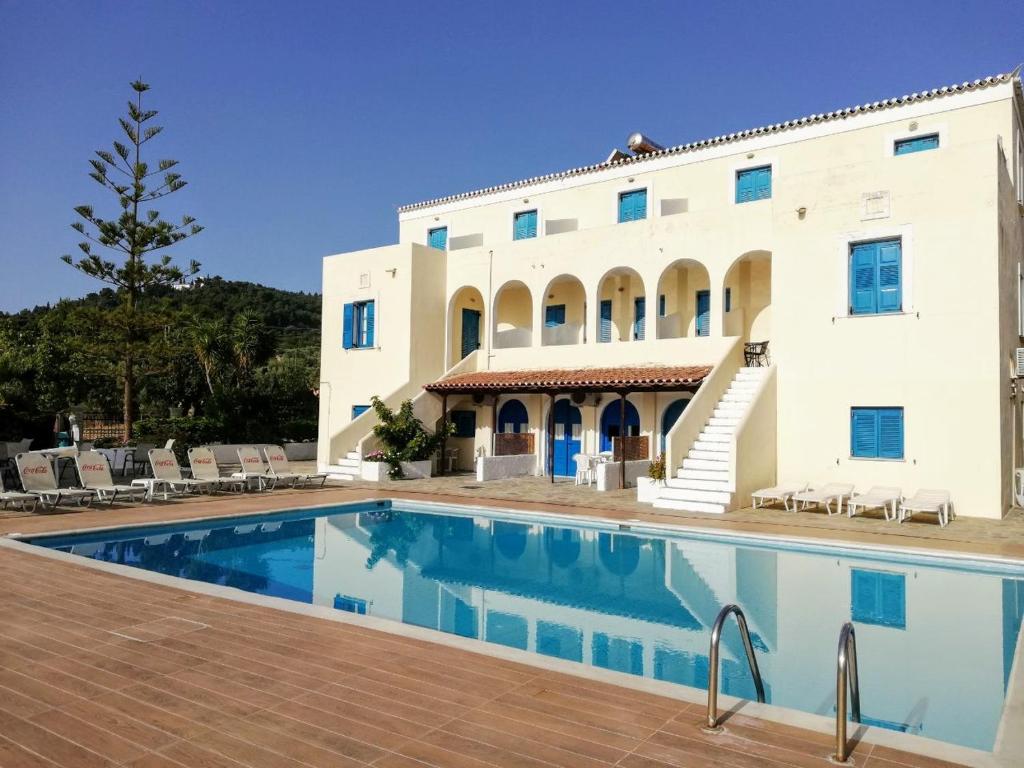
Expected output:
(187, 431)
(404, 436)
(657, 469)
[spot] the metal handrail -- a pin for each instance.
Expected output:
(846, 673)
(712, 725)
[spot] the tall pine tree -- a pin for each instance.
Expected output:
(136, 233)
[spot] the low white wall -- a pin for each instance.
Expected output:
(500, 467)
(377, 471)
(609, 474)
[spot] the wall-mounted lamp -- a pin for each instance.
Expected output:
(801, 211)
(393, 271)
(631, 179)
(437, 218)
(750, 155)
(526, 199)
(551, 295)
(913, 126)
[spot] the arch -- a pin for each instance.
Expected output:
(684, 302)
(622, 306)
(513, 316)
(610, 424)
(747, 297)
(562, 546)
(619, 554)
(670, 416)
(510, 538)
(564, 315)
(465, 323)
(513, 417)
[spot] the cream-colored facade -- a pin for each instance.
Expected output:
(946, 356)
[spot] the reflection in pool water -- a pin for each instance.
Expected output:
(636, 604)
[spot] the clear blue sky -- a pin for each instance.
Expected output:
(300, 126)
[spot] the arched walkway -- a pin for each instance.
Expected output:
(513, 316)
(611, 424)
(684, 300)
(564, 319)
(747, 297)
(465, 323)
(622, 306)
(513, 417)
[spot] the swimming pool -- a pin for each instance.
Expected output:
(936, 638)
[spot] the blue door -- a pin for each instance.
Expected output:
(470, 331)
(568, 434)
(703, 313)
(610, 426)
(670, 417)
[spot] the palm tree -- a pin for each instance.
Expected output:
(207, 339)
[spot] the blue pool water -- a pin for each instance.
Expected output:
(933, 635)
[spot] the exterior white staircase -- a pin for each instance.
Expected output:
(704, 483)
(347, 468)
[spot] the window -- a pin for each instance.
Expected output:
(876, 277)
(878, 597)
(661, 305)
(358, 325)
(703, 321)
(633, 205)
(438, 238)
(604, 326)
(465, 423)
(639, 318)
(916, 144)
(359, 410)
(754, 184)
(554, 315)
(350, 604)
(876, 433)
(524, 225)
(728, 299)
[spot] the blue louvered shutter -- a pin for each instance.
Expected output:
(604, 331)
(438, 238)
(359, 410)
(864, 433)
(863, 279)
(744, 186)
(890, 288)
(763, 183)
(633, 205)
(661, 305)
(554, 315)
(890, 433)
(639, 318)
(703, 313)
(525, 225)
(919, 144)
(368, 320)
(346, 332)
(728, 299)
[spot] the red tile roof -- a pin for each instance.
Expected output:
(563, 380)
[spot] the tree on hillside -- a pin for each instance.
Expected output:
(136, 233)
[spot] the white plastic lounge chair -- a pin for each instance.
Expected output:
(828, 493)
(936, 502)
(94, 472)
(204, 467)
(253, 468)
(23, 500)
(881, 497)
(167, 474)
(38, 479)
(277, 461)
(782, 493)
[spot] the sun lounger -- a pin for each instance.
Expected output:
(204, 467)
(23, 500)
(253, 468)
(38, 479)
(95, 475)
(881, 497)
(277, 461)
(831, 492)
(782, 493)
(936, 502)
(167, 475)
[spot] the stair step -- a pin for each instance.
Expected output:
(692, 494)
(757, 370)
(697, 453)
(336, 472)
(690, 506)
(349, 464)
(729, 411)
(736, 397)
(724, 421)
(353, 455)
(698, 485)
(709, 436)
(744, 385)
(696, 463)
(706, 446)
(716, 475)
(724, 431)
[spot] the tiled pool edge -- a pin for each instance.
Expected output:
(772, 713)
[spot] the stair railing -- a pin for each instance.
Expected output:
(712, 725)
(846, 674)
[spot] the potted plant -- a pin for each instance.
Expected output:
(647, 487)
(407, 445)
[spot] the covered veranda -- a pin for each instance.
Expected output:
(488, 387)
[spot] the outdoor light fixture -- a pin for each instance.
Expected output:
(750, 155)
(801, 211)
(913, 126)
(393, 271)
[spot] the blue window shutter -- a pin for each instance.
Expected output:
(438, 238)
(625, 207)
(554, 315)
(703, 313)
(604, 331)
(640, 204)
(744, 186)
(639, 318)
(890, 277)
(346, 333)
(728, 299)
(918, 144)
(525, 225)
(890, 433)
(358, 410)
(661, 305)
(864, 433)
(633, 205)
(368, 311)
(763, 183)
(863, 279)
(754, 184)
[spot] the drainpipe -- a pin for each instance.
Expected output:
(490, 307)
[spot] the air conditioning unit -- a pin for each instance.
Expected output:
(1020, 362)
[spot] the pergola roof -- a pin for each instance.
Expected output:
(629, 378)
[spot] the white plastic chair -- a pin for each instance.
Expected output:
(935, 502)
(584, 470)
(828, 493)
(783, 493)
(880, 496)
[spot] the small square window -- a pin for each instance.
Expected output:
(524, 225)
(554, 315)
(359, 410)
(465, 423)
(359, 324)
(876, 433)
(438, 238)
(916, 144)
(632, 205)
(754, 184)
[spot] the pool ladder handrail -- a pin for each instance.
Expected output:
(846, 674)
(712, 725)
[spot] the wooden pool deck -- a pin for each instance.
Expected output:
(100, 669)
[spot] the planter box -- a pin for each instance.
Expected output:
(377, 471)
(647, 490)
